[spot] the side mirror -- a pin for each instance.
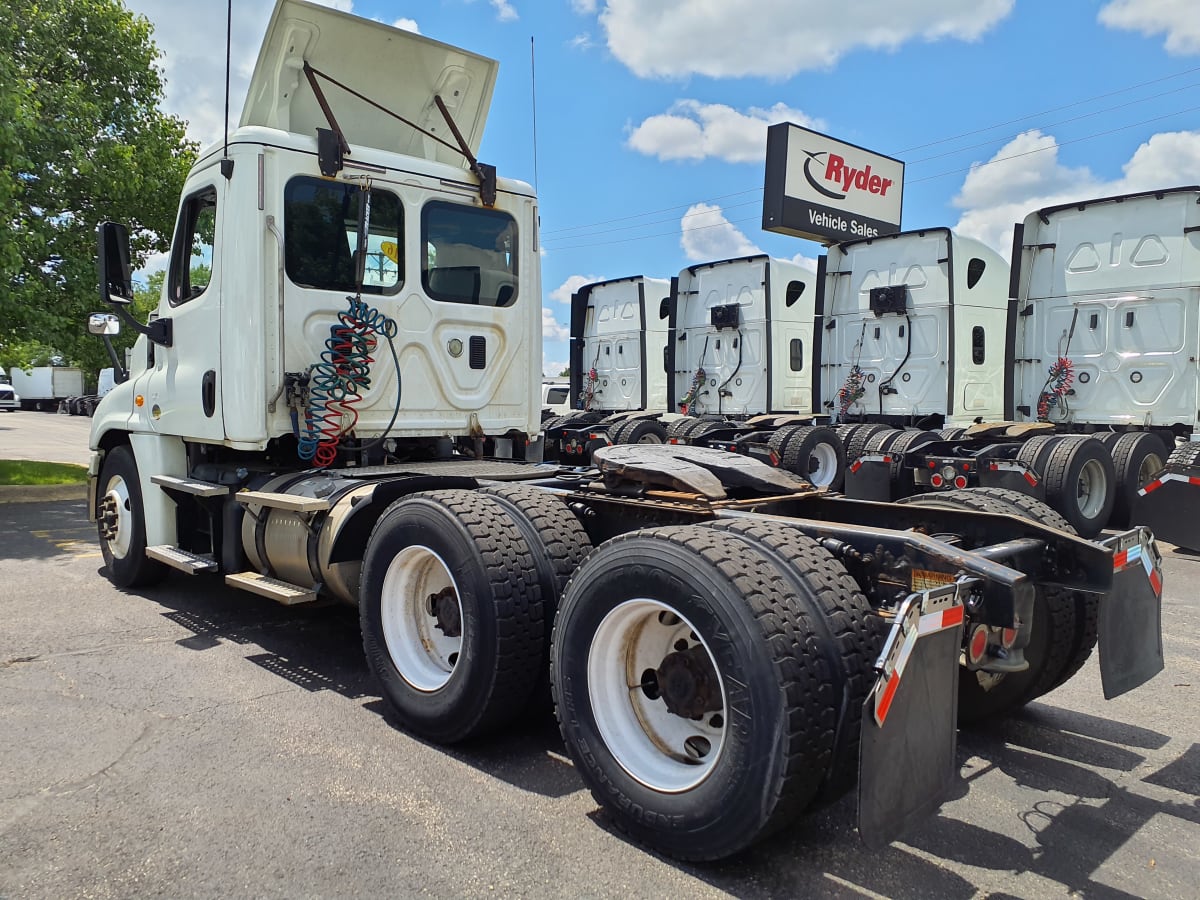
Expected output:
(664, 308)
(116, 282)
(104, 324)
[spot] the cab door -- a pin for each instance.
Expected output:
(181, 388)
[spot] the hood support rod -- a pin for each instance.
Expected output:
(485, 173)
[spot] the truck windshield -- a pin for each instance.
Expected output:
(320, 235)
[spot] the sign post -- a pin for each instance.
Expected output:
(826, 190)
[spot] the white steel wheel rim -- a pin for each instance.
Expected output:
(650, 437)
(822, 465)
(659, 749)
(1151, 465)
(1091, 489)
(423, 654)
(118, 493)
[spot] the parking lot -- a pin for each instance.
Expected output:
(196, 741)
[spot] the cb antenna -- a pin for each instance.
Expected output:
(226, 162)
(533, 98)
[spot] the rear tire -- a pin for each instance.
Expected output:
(558, 544)
(451, 613)
(813, 452)
(1137, 457)
(852, 632)
(856, 443)
(638, 431)
(1081, 483)
(1186, 454)
(1056, 636)
(703, 621)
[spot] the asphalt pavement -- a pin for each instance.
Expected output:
(48, 437)
(195, 741)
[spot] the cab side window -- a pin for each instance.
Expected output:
(320, 235)
(192, 249)
(470, 255)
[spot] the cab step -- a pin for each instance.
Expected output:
(280, 591)
(183, 560)
(290, 502)
(190, 486)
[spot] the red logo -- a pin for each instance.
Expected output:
(843, 177)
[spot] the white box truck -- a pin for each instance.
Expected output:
(45, 387)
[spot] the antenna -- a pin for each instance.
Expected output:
(226, 162)
(533, 97)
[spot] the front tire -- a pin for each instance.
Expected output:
(121, 523)
(691, 691)
(452, 615)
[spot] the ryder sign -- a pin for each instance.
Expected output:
(826, 190)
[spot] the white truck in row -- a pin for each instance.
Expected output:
(724, 645)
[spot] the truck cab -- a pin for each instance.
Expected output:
(914, 330)
(261, 291)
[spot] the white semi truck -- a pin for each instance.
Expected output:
(742, 358)
(618, 370)
(725, 644)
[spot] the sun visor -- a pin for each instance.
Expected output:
(399, 70)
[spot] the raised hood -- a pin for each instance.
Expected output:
(399, 70)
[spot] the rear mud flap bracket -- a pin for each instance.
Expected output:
(907, 764)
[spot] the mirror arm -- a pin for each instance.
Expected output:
(159, 331)
(120, 373)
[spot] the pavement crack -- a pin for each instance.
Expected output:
(17, 660)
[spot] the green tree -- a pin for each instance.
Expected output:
(82, 140)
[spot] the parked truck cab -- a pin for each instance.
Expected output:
(618, 369)
(914, 330)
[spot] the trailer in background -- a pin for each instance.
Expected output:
(44, 387)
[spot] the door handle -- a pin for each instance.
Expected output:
(208, 392)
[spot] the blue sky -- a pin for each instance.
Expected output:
(652, 114)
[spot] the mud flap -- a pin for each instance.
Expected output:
(910, 719)
(869, 478)
(1131, 651)
(1167, 505)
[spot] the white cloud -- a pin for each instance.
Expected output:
(1177, 19)
(581, 41)
(407, 25)
(551, 368)
(694, 130)
(707, 235)
(778, 38)
(584, 7)
(563, 292)
(806, 261)
(191, 39)
(504, 10)
(552, 329)
(1026, 174)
